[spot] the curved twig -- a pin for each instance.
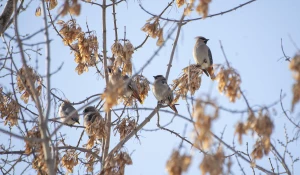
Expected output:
(194, 19)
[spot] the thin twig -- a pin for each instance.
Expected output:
(115, 20)
(141, 45)
(42, 126)
(133, 132)
(282, 161)
(108, 114)
(174, 46)
(287, 58)
(286, 115)
(194, 19)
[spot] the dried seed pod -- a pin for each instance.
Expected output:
(213, 164)
(189, 81)
(151, 29)
(202, 7)
(117, 49)
(142, 86)
(69, 160)
(203, 123)
(160, 39)
(229, 83)
(128, 50)
(23, 84)
(9, 109)
(125, 127)
(295, 68)
(180, 3)
(177, 164)
(53, 4)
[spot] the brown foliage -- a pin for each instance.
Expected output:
(177, 164)
(69, 160)
(203, 122)
(295, 67)
(115, 165)
(229, 83)
(125, 127)
(189, 81)
(24, 84)
(9, 109)
(213, 164)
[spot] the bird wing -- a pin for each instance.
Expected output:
(68, 109)
(170, 95)
(135, 93)
(90, 117)
(210, 56)
(165, 84)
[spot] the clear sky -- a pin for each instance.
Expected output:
(251, 37)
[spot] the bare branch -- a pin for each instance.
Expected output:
(194, 19)
(174, 47)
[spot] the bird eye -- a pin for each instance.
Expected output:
(205, 61)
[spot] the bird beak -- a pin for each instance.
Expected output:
(78, 122)
(207, 39)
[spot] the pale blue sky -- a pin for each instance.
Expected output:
(251, 38)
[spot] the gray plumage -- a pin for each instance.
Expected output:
(130, 87)
(162, 92)
(202, 55)
(115, 76)
(65, 110)
(90, 114)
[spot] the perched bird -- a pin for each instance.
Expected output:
(65, 110)
(203, 57)
(162, 92)
(90, 114)
(115, 76)
(130, 87)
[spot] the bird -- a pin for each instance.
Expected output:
(115, 76)
(68, 113)
(90, 114)
(129, 89)
(203, 57)
(162, 92)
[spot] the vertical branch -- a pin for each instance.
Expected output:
(115, 20)
(34, 95)
(174, 47)
(222, 48)
(48, 86)
(104, 40)
(108, 114)
(51, 164)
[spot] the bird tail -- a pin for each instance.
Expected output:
(136, 95)
(173, 107)
(211, 72)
